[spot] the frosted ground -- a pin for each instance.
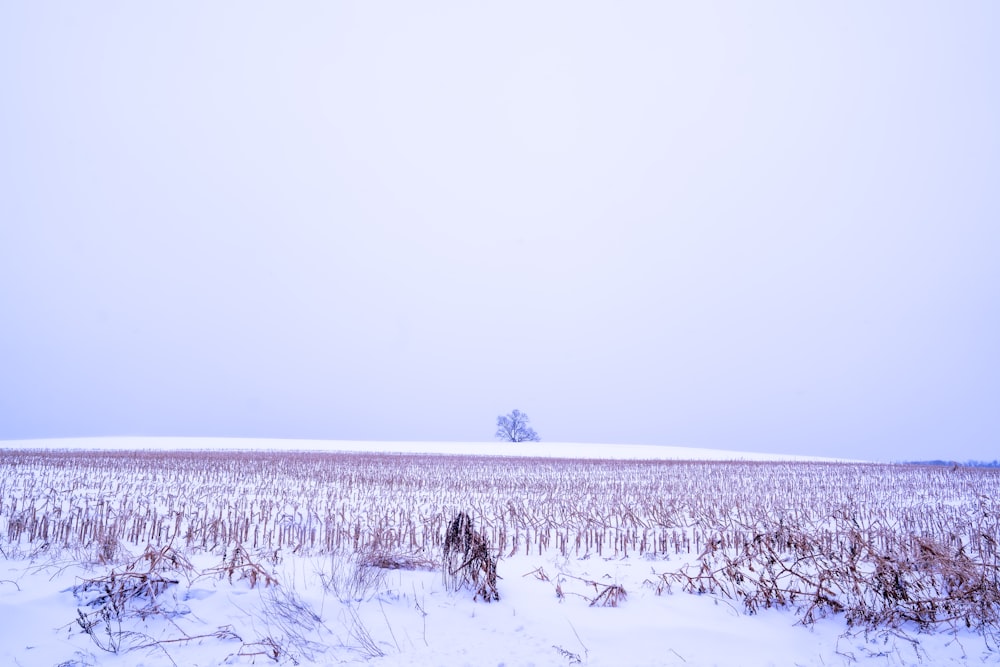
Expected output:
(322, 612)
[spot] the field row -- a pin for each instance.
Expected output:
(320, 503)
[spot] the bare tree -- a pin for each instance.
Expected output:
(514, 428)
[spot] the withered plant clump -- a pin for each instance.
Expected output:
(468, 561)
(132, 592)
(876, 579)
(240, 564)
(138, 592)
(605, 595)
(387, 559)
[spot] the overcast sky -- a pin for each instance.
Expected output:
(769, 226)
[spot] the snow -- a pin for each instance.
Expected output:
(493, 448)
(407, 617)
(413, 621)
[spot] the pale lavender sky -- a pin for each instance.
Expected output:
(768, 226)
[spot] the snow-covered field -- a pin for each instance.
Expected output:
(302, 604)
(533, 449)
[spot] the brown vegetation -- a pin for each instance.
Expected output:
(880, 544)
(468, 561)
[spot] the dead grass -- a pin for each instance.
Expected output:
(134, 592)
(240, 564)
(885, 546)
(876, 580)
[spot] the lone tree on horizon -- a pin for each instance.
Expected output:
(514, 428)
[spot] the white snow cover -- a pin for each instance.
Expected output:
(493, 448)
(409, 619)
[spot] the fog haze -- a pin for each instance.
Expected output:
(768, 227)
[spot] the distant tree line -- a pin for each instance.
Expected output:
(968, 464)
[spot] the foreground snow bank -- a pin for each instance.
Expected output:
(396, 618)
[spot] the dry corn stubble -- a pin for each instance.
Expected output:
(468, 560)
(881, 544)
